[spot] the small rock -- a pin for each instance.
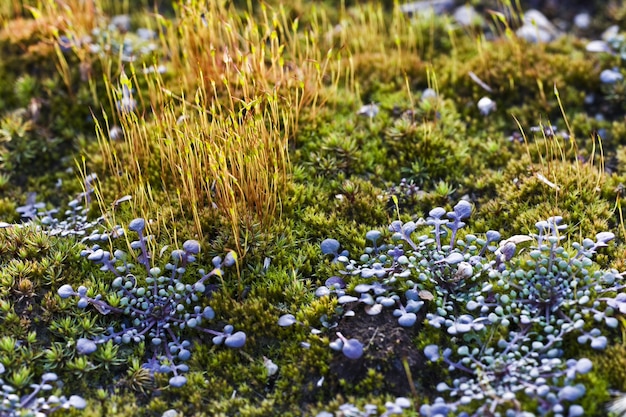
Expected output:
(121, 22)
(77, 402)
(610, 33)
(467, 16)
(271, 367)
(428, 94)
(116, 133)
(536, 18)
(425, 6)
(146, 34)
(610, 76)
(582, 20)
(537, 28)
(598, 46)
(85, 346)
(369, 110)
(426, 295)
(533, 34)
(486, 105)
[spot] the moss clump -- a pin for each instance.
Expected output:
(526, 193)
(526, 73)
(610, 368)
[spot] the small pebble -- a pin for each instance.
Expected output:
(146, 34)
(598, 46)
(537, 28)
(582, 20)
(425, 6)
(610, 76)
(466, 15)
(610, 33)
(486, 106)
(428, 94)
(121, 22)
(369, 110)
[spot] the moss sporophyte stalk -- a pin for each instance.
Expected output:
(355, 208)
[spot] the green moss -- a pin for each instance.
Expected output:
(597, 395)
(527, 193)
(609, 368)
(341, 169)
(525, 74)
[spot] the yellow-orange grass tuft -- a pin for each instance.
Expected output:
(215, 129)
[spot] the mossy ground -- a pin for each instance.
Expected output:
(337, 183)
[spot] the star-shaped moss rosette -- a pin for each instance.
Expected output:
(158, 303)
